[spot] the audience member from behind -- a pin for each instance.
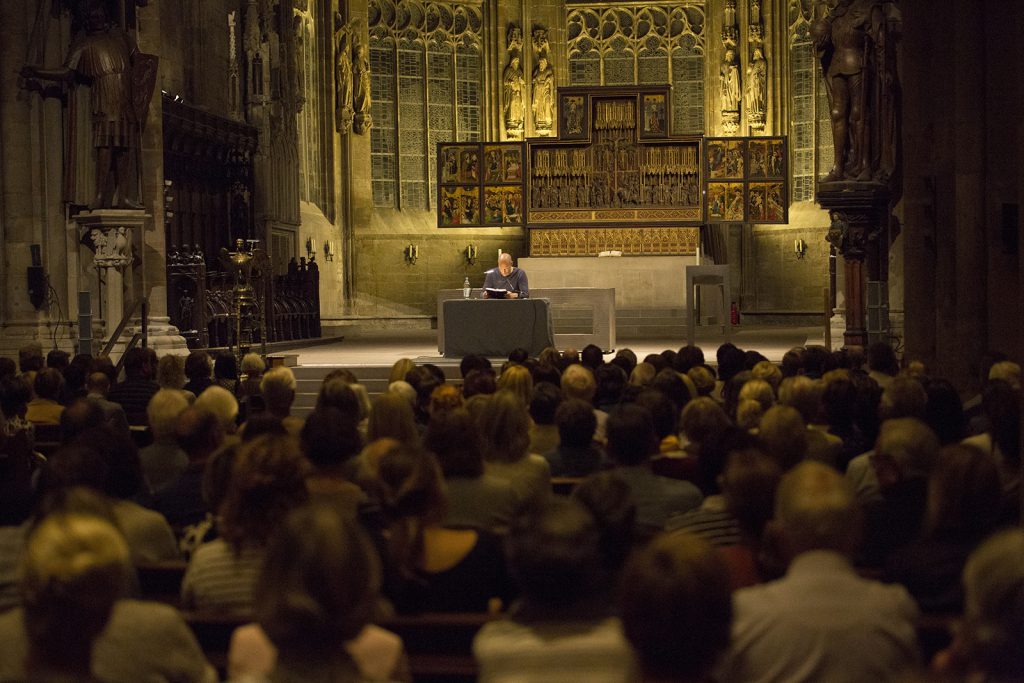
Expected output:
(821, 621)
(561, 628)
(267, 481)
(330, 439)
(45, 408)
(392, 417)
(784, 436)
(504, 431)
(222, 403)
(199, 434)
(315, 598)
(883, 365)
(97, 387)
(475, 498)
(225, 371)
(100, 460)
(990, 644)
(479, 382)
(1001, 440)
(170, 374)
(903, 460)
(433, 568)
(278, 388)
(610, 501)
(963, 508)
(577, 454)
(676, 609)
(198, 369)
(134, 392)
(74, 624)
(904, 397)
(163, 461)
(631, 443)
(517, 379)
(578, 382)
(544, 402)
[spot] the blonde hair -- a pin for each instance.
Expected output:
(748, 414)
(278, 388)
(74, 568)
(253, 365)
(222, 403)
(758, 390)
(518, 380)
(400, 369)
(163, 411)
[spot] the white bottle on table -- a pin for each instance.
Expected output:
(465, 288)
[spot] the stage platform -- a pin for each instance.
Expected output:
(370, 354)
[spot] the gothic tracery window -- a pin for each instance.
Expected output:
(643, 45)
(315, 114)
(426, 67)
(810, 133)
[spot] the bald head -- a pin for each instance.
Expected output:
(816, 510)
(505, 263)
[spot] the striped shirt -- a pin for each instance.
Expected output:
(219, 580)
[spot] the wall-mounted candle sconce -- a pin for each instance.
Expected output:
(310, 247)
(800, 247)
(412, 252)
(328, 250)
(471, 254)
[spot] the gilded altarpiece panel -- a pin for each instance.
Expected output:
(615, 167)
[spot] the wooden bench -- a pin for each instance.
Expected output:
(161, 581)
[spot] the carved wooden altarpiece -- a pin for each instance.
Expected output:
(615, 178)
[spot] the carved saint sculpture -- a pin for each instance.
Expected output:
(543, 96)
(731, 93)
(343, 80)
(757, 86)
(122, 82)
(512, 98)
(361, 95)
(859, 69)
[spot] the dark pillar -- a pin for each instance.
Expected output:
(859, 211)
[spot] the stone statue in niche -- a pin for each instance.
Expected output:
(361, 96)
(731, 90)
(122, 80)
(543, 96)
(343, 112)
(513, 82)
(757, 86)
(855, 42)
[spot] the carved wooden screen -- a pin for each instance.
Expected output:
(654, 44)
(616, 179)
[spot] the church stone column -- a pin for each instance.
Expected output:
(150, 279)
(858, 212)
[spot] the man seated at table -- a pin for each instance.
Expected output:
(512, 280)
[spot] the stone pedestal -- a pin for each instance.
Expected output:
(859, 211)
(113, 235)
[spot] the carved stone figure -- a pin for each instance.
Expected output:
(731, 90)
(343, 112)
(113, 247)
(122, 82)
(361, 97)
(757, 86)
(858, 65)
(543, 96)
(512, 98)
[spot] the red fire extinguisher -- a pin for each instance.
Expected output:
(734, 314)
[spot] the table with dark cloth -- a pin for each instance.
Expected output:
(494, 327)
